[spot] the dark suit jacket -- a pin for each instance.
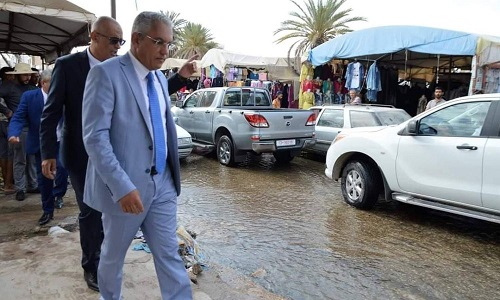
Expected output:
(66, 91)
(28, 114)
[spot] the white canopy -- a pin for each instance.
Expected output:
(171, 63)
(276, 66)
(48, 28)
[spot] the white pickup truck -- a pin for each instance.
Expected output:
(446, 158)
(238, 120)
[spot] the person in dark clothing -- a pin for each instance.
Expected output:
(65, 96)
(11, 91)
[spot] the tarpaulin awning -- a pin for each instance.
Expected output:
(488, 50)
(391, 39)
(48, 28)
(277, 67)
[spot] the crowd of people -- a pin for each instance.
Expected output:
(118, 147)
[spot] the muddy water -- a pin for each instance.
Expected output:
(290, 224)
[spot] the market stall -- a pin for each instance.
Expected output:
(225, 68)
(48, 29)
(410, 61)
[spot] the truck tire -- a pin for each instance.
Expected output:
(225, 151)
(283, 156)
(359, 184)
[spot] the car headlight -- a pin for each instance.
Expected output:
(184, 141)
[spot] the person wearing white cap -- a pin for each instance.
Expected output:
(11, 92)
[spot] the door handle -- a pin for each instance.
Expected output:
(191, 112)
(467, 147)
(207, 112)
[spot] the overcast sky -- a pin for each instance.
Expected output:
(246, 27)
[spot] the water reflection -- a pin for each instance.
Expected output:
(291, 221)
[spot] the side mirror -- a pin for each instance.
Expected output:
(412, 127)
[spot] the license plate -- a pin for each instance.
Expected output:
(282, 143)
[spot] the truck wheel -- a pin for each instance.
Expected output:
(283, 156)
(225, 151)
(359, 185)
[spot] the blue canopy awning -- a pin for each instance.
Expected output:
(390, 39)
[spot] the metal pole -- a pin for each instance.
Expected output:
(113, 9)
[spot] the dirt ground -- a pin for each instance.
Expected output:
(35, 265)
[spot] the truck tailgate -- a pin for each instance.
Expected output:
(286, 124)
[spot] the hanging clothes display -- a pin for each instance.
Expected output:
(354, 76)
(373, 84)
(309, 99)
(306, 73)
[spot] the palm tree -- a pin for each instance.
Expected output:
(194, 39)
(177, 25)
(314, 25)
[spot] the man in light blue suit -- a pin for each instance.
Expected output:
(28, 113)
(133, 174)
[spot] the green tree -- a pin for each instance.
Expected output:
(315, 24)
(194, 39)
(177, 25)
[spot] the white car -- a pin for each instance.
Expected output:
(184, 142)
(445, 158)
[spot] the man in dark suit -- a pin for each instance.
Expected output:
(66, 94)
(28, 113)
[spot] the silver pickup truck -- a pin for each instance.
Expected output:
(238, 120)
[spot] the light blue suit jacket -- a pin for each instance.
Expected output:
(118, 135)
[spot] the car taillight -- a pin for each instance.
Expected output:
(256, 120)
(311, 121)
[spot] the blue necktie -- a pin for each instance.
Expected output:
(156, 120)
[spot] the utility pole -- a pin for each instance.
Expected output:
(113, 9)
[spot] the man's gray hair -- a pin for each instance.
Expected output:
(46, 75)
(146, 19)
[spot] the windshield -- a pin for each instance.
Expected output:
(392, 117)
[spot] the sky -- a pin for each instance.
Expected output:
(247, 27)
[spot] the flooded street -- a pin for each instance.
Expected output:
(289, 227)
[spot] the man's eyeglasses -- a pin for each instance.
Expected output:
(159, 43)
(112, 40)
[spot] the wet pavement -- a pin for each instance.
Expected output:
(288, 227)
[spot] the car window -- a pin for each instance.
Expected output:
(332, 118)
(363, 119)
(392, 117)
(261, 99)
(193, 100)
(208, 98)
(232, 97)
(464, 119)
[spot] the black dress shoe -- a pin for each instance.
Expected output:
(45, 218)
(91, 279)
(58, 203)
(20, 196)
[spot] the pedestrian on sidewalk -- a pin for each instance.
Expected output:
(133, 174)
(28, 113)
(11, 91)
(65, 95)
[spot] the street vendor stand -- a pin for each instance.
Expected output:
(421, 55)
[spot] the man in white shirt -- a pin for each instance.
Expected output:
(438, 98)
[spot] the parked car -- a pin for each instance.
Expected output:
(234, 121)
(332, 119)
(445, 158)
(184, 142)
